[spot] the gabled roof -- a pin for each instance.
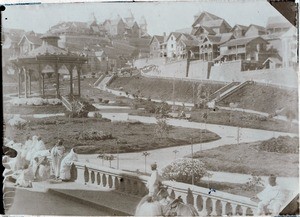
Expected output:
(185, 36)
(176, 35)
(157, 37)
(47, 49)
(190, 43)
(238, 26)
(273, 59)
(33, 39)
(131, 24)
(278, 22)
(213, 23)
(241, 41)
(260, 28)
(116, 21)
(212, 16)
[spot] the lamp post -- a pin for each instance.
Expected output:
(175, 152)
(145, 154)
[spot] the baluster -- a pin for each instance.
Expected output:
(80, 175)
(98, 178)
(213, 208)
(92, 177)
(113, 184)
(223, 211)
(104, 181)
(233, 208)
(244, 210)
(195, 202)
(204, 210)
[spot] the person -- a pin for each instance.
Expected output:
(271, 198)
(57, 153)
(31, 148)
(66, 163)
(27, 147)
(154, 182)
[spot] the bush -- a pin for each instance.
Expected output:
(97, 115)
(182, 170)
(282, 144)
(162, 128)
(94, 135)
(106, 101)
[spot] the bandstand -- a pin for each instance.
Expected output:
(48, 58)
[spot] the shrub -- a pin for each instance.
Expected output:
(94, 135)
(97, 115)
(106, 101)
(162, 128)
(182, 170)
(17, 122)
(282, 144)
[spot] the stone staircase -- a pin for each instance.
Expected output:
(71, 104)
(226, 91)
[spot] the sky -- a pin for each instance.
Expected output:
(160, 16)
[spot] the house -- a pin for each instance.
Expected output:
(156, 45)
(277, 24)
(102, 61)
(29, 42)
(132, 29)
(115, 27)
(202, 31)
(239, 30)
(143, 25)
(252, 51)
(187, 46)
(171, 44)
(255, 30)
(204, 16)
(272, 63)
(209, 47)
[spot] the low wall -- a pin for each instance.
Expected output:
(215, 204)
(229, 71)
(140, 63)
(199, 69)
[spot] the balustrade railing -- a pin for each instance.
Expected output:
(215, 204)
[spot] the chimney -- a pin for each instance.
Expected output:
(165, 36)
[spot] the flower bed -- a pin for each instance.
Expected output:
(35, 101)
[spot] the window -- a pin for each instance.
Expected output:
(172, 38)
(171, 45)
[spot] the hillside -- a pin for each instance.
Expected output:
(162, 88)
(264, 98)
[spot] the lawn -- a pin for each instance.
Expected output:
(247, 158)
(132, 136)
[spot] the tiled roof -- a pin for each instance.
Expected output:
(240, 41)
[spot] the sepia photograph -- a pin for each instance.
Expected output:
(167, 108)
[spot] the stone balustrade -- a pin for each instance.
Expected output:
(215, 204)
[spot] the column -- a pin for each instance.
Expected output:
(25, 73)
(43, 84)
(39, 76)
(19, 82)
(70, 68)
(78, 77)
(29, 76)
(57, 81)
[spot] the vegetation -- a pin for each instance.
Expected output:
(282, 144)
(184, 170)
(246, 158)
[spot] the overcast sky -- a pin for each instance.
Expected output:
(161, 16)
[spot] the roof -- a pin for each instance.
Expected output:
(131, 24)
(208, 29)
(176, 34)
(240, 41)
(278, 22)
(185, 30)
(47, 49)
(158, 37)
(274, 60)
(242, 27)
(33, 39)
(212, 16)
(116, 21)
(260, 28)
(190, 43)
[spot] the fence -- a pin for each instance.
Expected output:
(218, 203)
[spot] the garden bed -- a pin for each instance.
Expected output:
(132, 137)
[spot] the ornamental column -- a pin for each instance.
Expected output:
(29, 76)
(19, 82)
(79, 68)
(70, 68)
(25, 74)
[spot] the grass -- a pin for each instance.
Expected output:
(265, 99)
(247, 159)
(241, 119)
(133, 137)
(161, 88)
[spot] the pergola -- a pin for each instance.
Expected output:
(48, 58)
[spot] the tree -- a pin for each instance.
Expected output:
(162, 128)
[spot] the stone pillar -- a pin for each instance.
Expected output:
(25, 73)
(43, 84)
(19, 82)
(79, 68)
(29, 76)
(57, 81)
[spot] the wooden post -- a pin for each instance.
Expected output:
(39, 76)
(70, 68)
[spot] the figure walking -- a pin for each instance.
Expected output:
(57, 153)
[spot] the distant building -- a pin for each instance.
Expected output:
(29, 42)
(277, 24)
(156, 46)
(187, 47)
(255, 30)
(239, 30)
(171, 44)
(115, 27)
(252, 51)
